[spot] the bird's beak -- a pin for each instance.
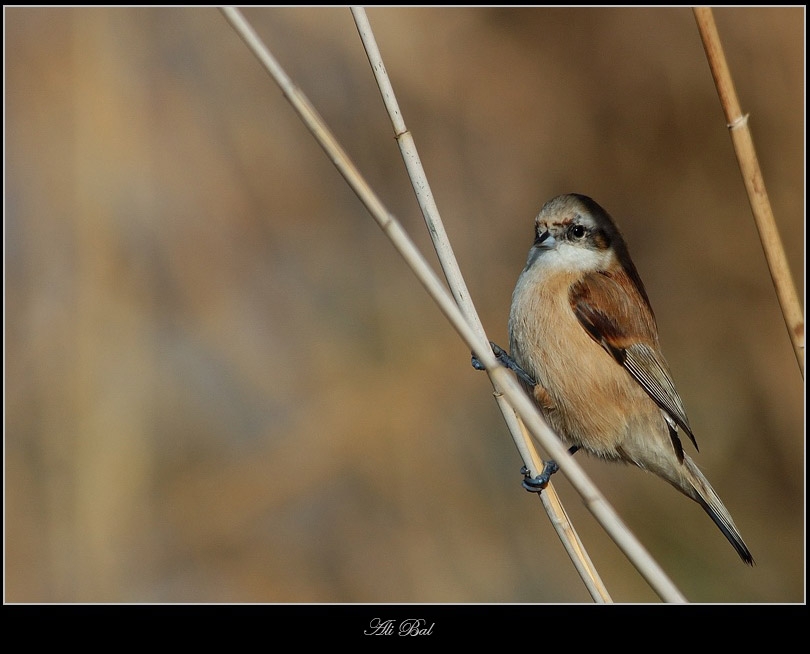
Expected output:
(545, 241)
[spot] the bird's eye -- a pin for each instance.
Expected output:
(577, 231)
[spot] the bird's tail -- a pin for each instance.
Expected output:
(705, 496)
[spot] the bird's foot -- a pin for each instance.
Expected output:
(538, 483)
(506, 361)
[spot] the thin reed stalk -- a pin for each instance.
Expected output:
(754, 183)
(407, 145)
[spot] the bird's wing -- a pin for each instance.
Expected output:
(608, 308)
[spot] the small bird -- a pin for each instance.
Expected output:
(584, 341)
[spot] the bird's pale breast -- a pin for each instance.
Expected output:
(584, 393)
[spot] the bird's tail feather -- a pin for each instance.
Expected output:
(705, 496)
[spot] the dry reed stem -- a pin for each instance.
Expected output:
(754, 183)
(524, 407)
(550, 500)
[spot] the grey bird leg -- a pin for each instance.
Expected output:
(507, 362)
(538, 483)
(531, 484)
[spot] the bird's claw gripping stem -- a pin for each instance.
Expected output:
(506, 361)
(538, 483)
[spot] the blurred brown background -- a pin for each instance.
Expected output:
(223, 384)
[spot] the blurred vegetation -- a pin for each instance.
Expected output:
(223, 385)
